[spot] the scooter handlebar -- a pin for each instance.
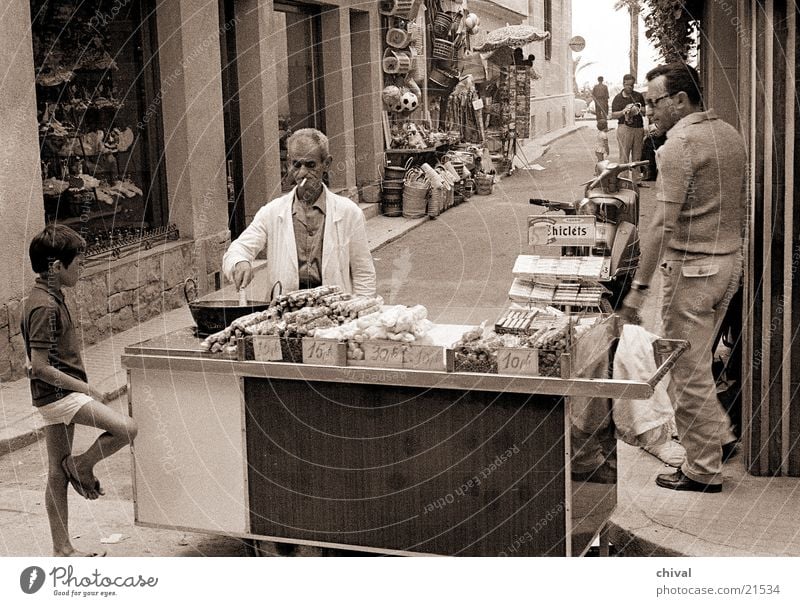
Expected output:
(614, 169)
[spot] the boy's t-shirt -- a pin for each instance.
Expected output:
(47, 324)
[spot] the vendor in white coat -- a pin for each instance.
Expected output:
(312, 236)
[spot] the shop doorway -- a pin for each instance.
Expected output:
(231, 118)
(298, 69)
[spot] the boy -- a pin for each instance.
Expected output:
(59, 389)
(601, 148)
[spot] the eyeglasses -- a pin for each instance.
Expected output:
(653, 102)
(309, 164)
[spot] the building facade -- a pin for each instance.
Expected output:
(129, 120)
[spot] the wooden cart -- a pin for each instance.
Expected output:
(393, 461)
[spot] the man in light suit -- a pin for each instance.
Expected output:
(312, 236)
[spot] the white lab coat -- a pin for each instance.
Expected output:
(346, 259)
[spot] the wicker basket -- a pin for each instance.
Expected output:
(442, 49)
(415, 204)
(436, 201)
(442, 23)
(483, 185)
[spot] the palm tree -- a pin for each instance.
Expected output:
(577, 66)
(634, 8)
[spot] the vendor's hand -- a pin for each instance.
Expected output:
(242, 274)
(629, 312)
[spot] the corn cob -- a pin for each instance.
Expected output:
(368, 311)
(334, 298)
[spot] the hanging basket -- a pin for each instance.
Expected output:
(442, 23)
(396, 62)
(397, 37)
(404, 9)
(442, 49)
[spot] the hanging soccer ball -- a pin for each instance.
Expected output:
(409, 101)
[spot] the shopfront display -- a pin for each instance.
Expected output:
(98, 119)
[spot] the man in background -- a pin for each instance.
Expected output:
(600, 96)
(628, 107)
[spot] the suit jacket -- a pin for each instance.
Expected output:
(346, 259)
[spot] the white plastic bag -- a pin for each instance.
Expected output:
(635, 360)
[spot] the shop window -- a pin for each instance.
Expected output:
(298, 70)
(99, 117)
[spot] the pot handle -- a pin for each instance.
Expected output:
(279, 287)
(186, 289)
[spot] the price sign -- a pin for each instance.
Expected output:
(324, 352)
(423, 357)
(267, 348)
(518, 361)
(388, 354)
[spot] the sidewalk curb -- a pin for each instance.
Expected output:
(413, 224)
(19, 441)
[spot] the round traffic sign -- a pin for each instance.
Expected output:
(577, 43)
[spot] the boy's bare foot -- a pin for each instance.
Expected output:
(87, 489)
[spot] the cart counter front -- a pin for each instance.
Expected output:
(372, 459)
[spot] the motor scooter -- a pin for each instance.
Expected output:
(614, 203)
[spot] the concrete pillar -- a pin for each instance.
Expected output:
(338, 86)
(366, 106)
(194, 142)
(21, 203)
(257, 103)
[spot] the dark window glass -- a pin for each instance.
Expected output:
(99, 115)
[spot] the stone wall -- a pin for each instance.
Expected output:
(118, 295)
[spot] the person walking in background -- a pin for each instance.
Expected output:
(628, 107)
(601, 149)
(600, 96)
(698, 227)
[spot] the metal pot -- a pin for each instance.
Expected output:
(211, 316)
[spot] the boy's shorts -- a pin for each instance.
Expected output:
(63, 410)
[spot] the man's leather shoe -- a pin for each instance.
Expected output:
(678, 481)
(602, 475)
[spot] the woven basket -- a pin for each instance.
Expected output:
(442, 49)
(436, 201)
(396, 62)
(483, 185)
(415, 203)
(442, 23)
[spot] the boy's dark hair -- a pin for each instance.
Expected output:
(680, 77)
(629, 77)
(54, 243)
(602, 125)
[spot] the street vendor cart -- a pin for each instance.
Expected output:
(410, 459)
